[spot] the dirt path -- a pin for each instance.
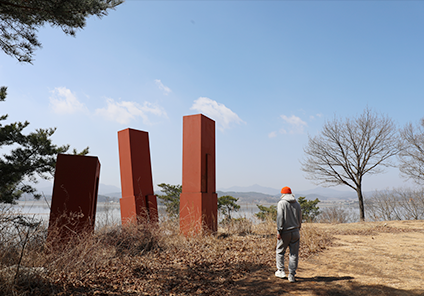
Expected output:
(366, 259)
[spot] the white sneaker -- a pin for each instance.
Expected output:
(280, 274)
(291, 278)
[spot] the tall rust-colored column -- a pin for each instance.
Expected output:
(198, 200)
(138, 200)
(74, 197)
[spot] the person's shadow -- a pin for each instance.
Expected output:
(324, 278)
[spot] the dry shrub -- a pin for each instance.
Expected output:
(266, 227)
(21, 242)
(151, 259)
(336, 215)
(313, 240)
(132, 239)
(238, 226)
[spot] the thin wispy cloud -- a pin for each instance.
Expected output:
(318, 115)
(162, 87)
(272, 135)
(124, 111)
(223, 116)
(293, 125)
(63, 101)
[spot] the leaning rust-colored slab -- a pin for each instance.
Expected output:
(138, 202)
(198, 200)
(74, 197)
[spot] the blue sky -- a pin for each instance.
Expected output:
(268, 72)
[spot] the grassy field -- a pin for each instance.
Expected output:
(335, 259)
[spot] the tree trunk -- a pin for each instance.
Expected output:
(361, 204)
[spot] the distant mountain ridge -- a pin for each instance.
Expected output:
(266, 193)
(269, 195)
(249, 194)
(251, 197)
(252, 188)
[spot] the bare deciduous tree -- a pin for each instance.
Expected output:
(348, 149)
(412, 156)
(396, 204)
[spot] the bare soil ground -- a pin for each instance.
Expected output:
(375, 258)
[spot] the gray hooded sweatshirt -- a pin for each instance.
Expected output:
(289, 215)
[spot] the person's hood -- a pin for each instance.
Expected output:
(288, 197)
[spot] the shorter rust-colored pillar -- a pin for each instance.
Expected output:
(198, 200)
(138, 202)
(74, 197)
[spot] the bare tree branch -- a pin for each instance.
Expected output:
(412, 156)
(20, 20)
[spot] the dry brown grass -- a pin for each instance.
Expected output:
(151, 259)
(144, 260)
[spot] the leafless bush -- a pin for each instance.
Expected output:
(21, 237)
(396, 204)
(17, 233)
(133, 239)
(265, 227)
(239, 226)
(313, 240)
(336, 214)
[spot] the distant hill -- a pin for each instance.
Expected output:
(104, 198)
(322, 193)
(258, 194)
(252, 188)
(251, 197)
(261, 198)
(254, 194)
(330, 194)
(116, 195)
(107, 189)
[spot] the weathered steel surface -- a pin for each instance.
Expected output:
(198, 200)
(138, 202)
(74, 197)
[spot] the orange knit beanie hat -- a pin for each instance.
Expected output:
(286, 190)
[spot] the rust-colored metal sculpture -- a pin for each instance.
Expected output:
(138, 202)
(74, 197)
(198, 200)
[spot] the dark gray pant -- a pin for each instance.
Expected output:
(291, 239)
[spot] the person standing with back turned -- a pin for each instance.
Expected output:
(289, 218)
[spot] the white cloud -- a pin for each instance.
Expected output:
(123, 112)
(162, 87)
(296, 125)
(63, 101)
(313, 117)
(216, 111)
(272, 135)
